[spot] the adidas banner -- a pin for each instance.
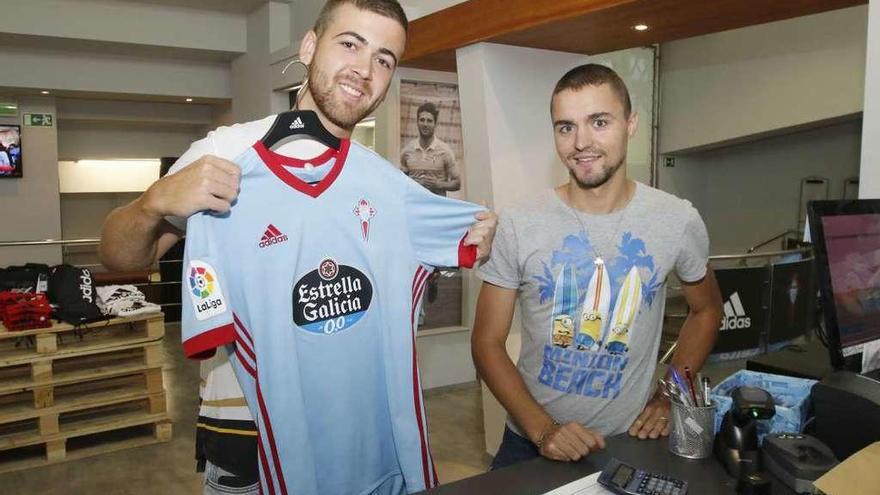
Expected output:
(744, 314)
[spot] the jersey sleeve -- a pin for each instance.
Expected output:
(206, 318)
(437, 226)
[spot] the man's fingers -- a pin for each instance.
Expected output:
(217, 204)
(656, 427)
(570, 434)
(649, 427)
(568, 451)
(227, 180)
(222, 190)
(476, 234)
(223, 165)
(552, 452)
(639, 422)
(653, 421)
(590, 438)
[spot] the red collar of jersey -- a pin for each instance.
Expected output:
(278, 165)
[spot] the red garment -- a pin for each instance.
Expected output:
(24, 311)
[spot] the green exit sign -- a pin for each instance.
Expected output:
(38, 119)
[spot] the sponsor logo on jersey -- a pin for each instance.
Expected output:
(331, 298)
(272, 236)
(204, 290)
(364, 211)
(297, 124)
(735, 317)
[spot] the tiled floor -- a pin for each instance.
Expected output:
(455, 424)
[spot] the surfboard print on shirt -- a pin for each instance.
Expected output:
(629, 299)
(565, 302)
(594, 316)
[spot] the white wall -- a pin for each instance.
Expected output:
(30, 205)
(303, 14)
(101, 140)
(869, 186)
(107, 176)
(116, 111)
(748, 193)
(508, 139)
(126, 22)
(743, 82)
(252, 90)
(107, 73)
(79, 213)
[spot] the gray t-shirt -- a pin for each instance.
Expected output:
(591, 330)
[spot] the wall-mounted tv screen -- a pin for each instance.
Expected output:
(10, 151)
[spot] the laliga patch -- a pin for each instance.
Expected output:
(331, 298)
(204, 290)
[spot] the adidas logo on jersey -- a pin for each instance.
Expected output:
(297, 124)
(272, 236)
(735, 315)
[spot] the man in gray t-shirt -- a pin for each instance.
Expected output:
(588, 263)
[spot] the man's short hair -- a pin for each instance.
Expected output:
(428, 107)
(387, 8)
(595, 75)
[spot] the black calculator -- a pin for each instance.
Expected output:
(627, 480)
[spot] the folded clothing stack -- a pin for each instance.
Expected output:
(124, 300)
(21, 311)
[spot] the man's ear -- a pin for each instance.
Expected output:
(632, 124)
(307, 47)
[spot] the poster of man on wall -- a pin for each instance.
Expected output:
(431, 154)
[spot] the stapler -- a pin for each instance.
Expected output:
(797, 460)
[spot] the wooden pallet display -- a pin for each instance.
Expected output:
(80, 384)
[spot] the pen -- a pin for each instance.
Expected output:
(690, 382)
(682, 386)
(706, 389)
(698, 386)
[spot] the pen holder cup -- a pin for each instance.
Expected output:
(692, 432)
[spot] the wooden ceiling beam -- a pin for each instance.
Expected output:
(588, 26)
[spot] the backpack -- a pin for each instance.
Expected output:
(72, 290)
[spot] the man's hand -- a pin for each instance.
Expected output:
(428, 182)
(654, 420)
(481, 234)
(209, 183)
(569, 442)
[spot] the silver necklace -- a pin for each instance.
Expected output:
(598, 257)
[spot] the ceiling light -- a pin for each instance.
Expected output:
(44, 92)
(640, 27)
(189, 100)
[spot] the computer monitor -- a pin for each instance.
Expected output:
(846, 240)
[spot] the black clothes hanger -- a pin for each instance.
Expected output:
(299, 123)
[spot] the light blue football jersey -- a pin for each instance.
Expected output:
(314, 281)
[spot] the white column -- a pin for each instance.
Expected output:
(869, 177)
